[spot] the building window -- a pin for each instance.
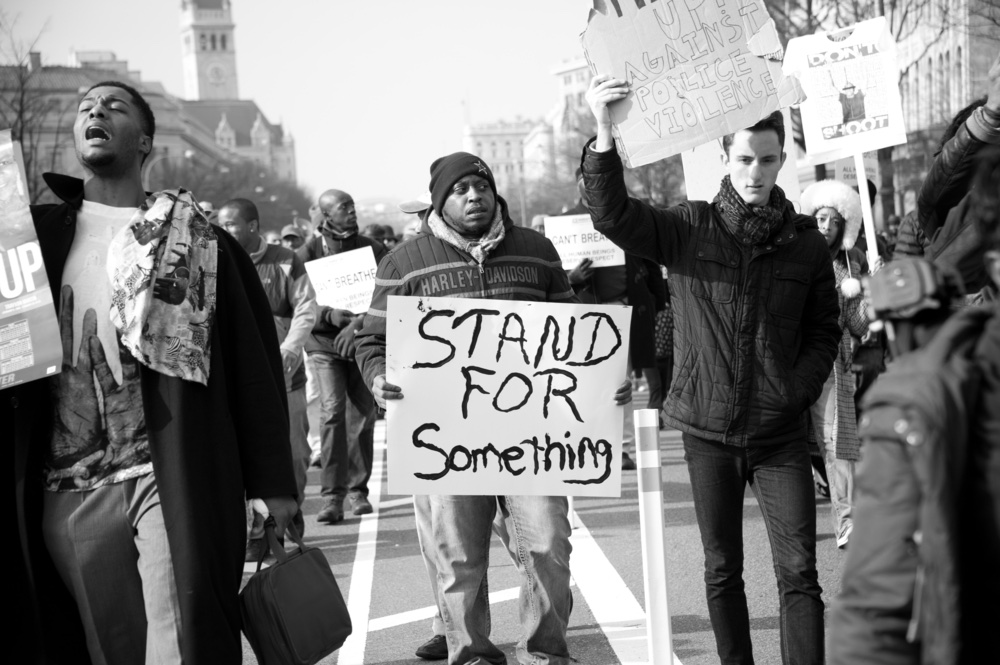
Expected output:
(942, 85)
(949, 85)
(929, 89)
(580, 99)
(959, 80)
(203, 41)
(213, 41)
(222, 42)
(581, 76)
(568, 79)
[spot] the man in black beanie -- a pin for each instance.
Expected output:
(469, 224)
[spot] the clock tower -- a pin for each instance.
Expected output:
(209, 50)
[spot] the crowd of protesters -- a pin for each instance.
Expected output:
(761, 329)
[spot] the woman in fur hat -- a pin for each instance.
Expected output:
(837, 209)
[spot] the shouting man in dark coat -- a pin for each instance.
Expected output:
(132, 464)
(755, 316)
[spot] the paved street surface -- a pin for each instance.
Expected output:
(377, 563)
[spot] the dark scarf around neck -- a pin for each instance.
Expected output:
(751, 224)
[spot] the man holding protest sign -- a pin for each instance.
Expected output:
(469, 227)
(755, 315)
(293, 304)
(347, 417)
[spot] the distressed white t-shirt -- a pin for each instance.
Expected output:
(98, 426)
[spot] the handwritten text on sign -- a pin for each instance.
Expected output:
(344, 281)
(505, 397)
(696, 69)
(575, 240)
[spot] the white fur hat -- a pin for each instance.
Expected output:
(835, 194)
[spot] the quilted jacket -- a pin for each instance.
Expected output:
(524, 266)
(755, 327)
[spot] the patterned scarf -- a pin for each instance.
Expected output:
(751, 224)
(163, 270)
(479, 249)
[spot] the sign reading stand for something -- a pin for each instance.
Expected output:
(505, 397)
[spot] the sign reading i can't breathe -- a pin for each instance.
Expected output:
(575, 239)
(345, 280)
(505, 397)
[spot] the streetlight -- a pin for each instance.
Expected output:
(188, 154)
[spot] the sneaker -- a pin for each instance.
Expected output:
(844, 537)
(316, 461)
(332, 512)
(628, 464)
(360, 504)
(435, 648)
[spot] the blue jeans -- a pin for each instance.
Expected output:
(781, 478)
(347, 426)
(539, 541)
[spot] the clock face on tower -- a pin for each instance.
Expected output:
(216, 74)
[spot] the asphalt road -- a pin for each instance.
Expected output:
(377, 563)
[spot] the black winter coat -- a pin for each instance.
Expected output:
(210, 445)
(755, 327)
(920, 582)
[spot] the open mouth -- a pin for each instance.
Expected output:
(96, 133)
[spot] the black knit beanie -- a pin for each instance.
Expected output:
(447, 170)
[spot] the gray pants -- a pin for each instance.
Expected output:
(110, 548)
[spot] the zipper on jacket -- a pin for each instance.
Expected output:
(482, 279)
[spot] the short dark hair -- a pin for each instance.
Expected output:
(958, 121)
(774, 122)
(245, 207)
(144, 111)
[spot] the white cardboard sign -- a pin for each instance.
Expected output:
(505, 397)
(851, 82)
(846, 172)
(345, 280)
(576, 239)
(696, 71)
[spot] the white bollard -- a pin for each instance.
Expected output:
(654, 562)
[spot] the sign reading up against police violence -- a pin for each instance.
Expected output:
(851, 81)
(696, 70)
(345, 280)
(575, 240)
(505, 397)
(30, 345)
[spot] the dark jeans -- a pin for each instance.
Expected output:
(347, 426)
(781, 479)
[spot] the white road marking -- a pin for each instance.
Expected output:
(615, 609)
(359, 598)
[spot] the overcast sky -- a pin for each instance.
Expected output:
(372, 90)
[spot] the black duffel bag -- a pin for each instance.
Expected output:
(293, 612)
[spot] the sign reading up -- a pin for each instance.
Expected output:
(505, 397)
(696, 69)
(575, 239)
(345, 280)
(852, 82)
(30, 344)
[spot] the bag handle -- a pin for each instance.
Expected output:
(270, 527)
